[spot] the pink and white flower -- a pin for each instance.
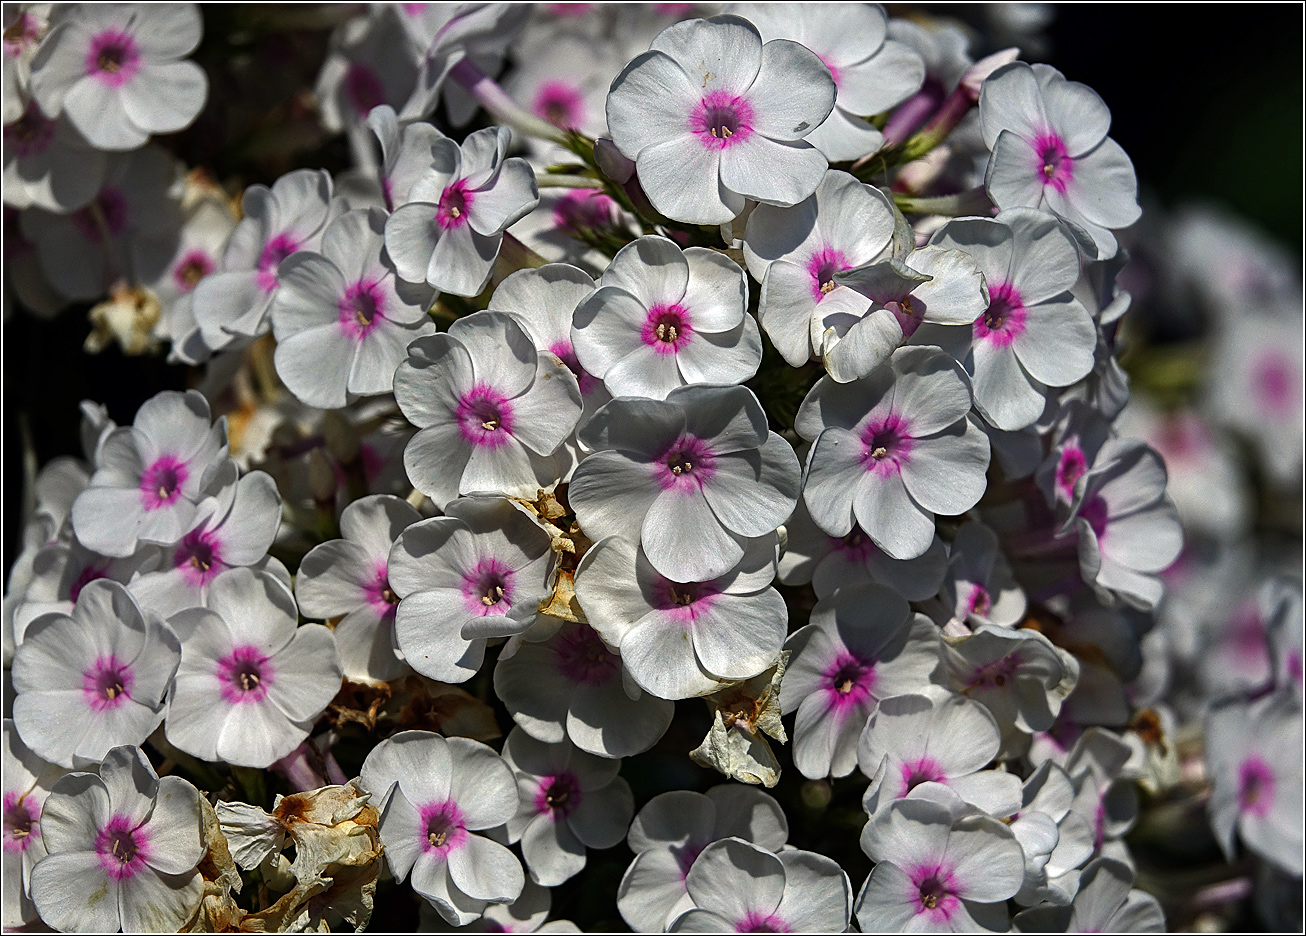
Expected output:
(491, 409)
(25, 25)
(47, 163)
(92, 680)
(124, 846)
(978, 587)
(713, 116)
(27, 782)
(1106, 902)
(198, 253)
(251, 682)
(117, 71)
(434, 795)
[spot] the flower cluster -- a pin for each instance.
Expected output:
(765, 358)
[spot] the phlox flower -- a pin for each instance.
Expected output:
(406, 148)
(491, 410)
(47, 163)
(682, 639)
(94, 679)
(529, 913)
(568, 801)
(978, 587)
(25, 25)
(690, 479)
(872, 73)
(1078, 434)
(1105, 800)
(116, 70)
(737, 887)
(1055, 838)
(341, 318)
(1105, 903)
(673, 829)
(566, 82)
(434, 795)
(892, 450)
(251, 682)
(124, 845)
(663, 318)
(1049, 149)
(862, 645)
(350, 577)
(27, 782)
(449, 232)
(198, 253)
(561, 227)
(573, 686)
(481, 571)
(712, 116)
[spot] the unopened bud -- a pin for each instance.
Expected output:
(610, 161)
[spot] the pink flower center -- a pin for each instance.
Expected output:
(856, 545)
(454, 204)
(363, 88)
(1004, 320)
(886, 445)
(1070, 468)
(22, 822)
(112, 211)
(721, 119)
(487, 588)
(484, 417)
(582, 657)
(245, 674)
(834, 70)
(1255, 787)
(276, 250)
(924, 770)
(361, 308)
(583, 211)
(84, 578)
(821, 267)
(979, 602)
(199, 557)
(113, 58)
(686, 466)
(667, 328)
(379, 593)
(121, 849)
(684, 602)
(192, 268)
(848, 682)
(567, 355)
(25, 31)
(560, 103)
(558, 795)
(1053, 164)
(30, 134)
(161, 482)
(442, 827)
(1095, 511)
(1276, 384)
(686, 855)
(107, 684)
(995, 675)
(934, 892)
(756, 922)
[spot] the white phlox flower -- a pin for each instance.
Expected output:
(1077, 435)
(435, 795)
(863, 645)
(529, 913)
(573, 686)
(25, 25)
(978, 587)
(1056, 839)
(566, 82)
(794, 253)
(116, 70)
(1056, 154)
(124, 845)
(682, 639)
(673, 829)
(491, 410)
(1106, 903)
(713, 116)
(737, 887)
(892, 450)
(47, 163)
(479, 572)
(251, 682)
(27, 782)
(449, 231)
(872, 73)
(568, 801)
(690, 479)
(1108, 803)
(664, 318)
(406, 152)
(92, 680)
(341, 317)
(349, 577)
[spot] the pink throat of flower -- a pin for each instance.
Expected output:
(161, 483)
(997, 675)
(1256, 784)
(274, 251)
(112, 58)
(921, 770)
(684, 602)
(29, 135)
(487, 588)
(24, 32)
(934, 892)
(580, 656)
(1096, 511)
(686, 466)
(757, 922)
(22, 821)
(560, 103)
(246, 675)
(1070, 468)
(191, 268)
(455, 201)
(848, 682)
(1004, 320)
(362, 308)
(484, 417)
(667, 329)
(1276, 383)
(886, 445)
(721, 120)
(584, 211)
(1054, 165)
(121, 849)
(442, 828)
(363, 88)
(107, 683)
(199, 557)
(980, 602)
(567, 355)
(821, 267)
(380, 595)
(558, 796)
(85, 577)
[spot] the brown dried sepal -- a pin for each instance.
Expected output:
(217, 912)
(415, 702)
(551, 513)
(743, 714)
